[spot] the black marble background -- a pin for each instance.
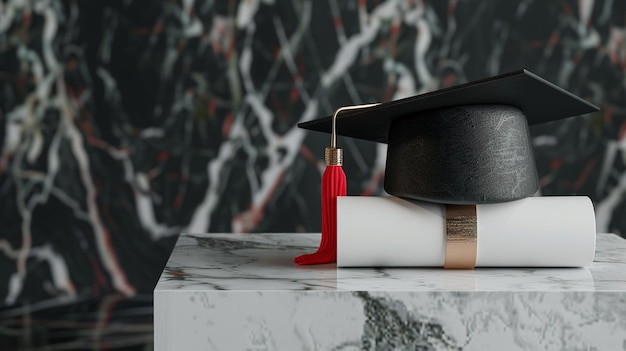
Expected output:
(123, 123)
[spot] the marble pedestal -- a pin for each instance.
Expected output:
(242, 292)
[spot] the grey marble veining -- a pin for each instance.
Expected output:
(242, 292)
(264, 262)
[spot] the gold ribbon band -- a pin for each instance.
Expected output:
(461, 237)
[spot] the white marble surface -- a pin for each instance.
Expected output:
(242, 292)
(265, 262)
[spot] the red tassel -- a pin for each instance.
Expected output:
(333, 185)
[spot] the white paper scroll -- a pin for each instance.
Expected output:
(533, 232)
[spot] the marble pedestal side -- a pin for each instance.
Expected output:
(242, 292)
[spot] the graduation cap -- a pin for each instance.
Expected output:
(467, 144)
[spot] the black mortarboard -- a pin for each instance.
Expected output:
(467, 144)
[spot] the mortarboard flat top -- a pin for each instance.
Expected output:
(467, 144)
(539, 100)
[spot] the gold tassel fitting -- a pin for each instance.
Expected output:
(333, 156)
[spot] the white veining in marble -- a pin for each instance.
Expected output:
(254, 262)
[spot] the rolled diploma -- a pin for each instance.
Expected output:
(556, 231)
